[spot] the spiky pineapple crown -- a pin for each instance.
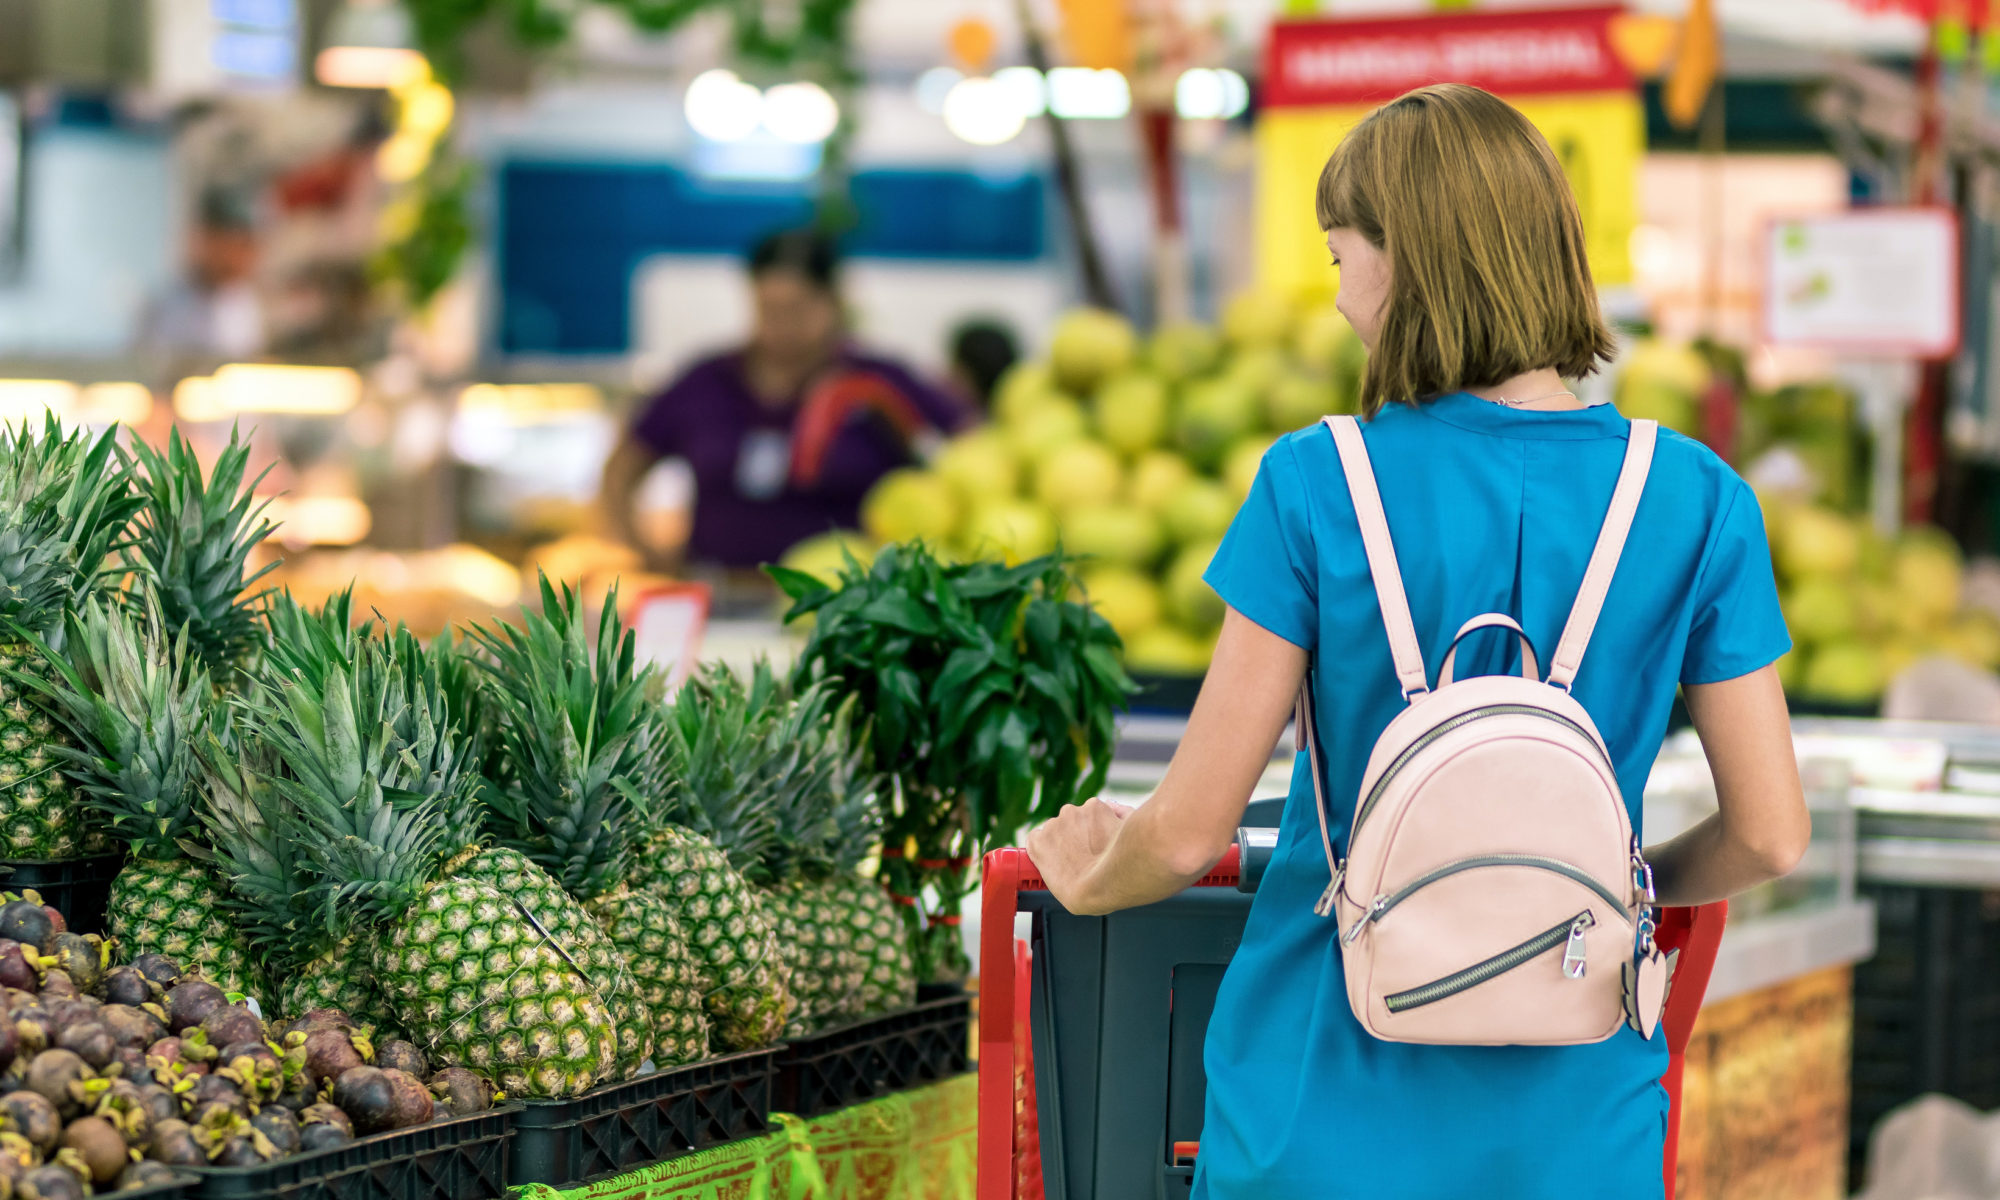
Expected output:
(823, 797)
(716, 749)
(192, 545)
(367, 756)
(258, 843)
(66, 504)
(136, 704)
(571, 723)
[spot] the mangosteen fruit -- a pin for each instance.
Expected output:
(189, 1003)
(15, 969)
(56, 918)
(10, 1043)
(158, 968)
(101, 1146)
(413, 1102)
(14, 1163)
(91, 1042)
(330, 1053)
(82, 957)
(237, 1152)
(31, 1115)
(462, 1092)
(368, 1095)
(159, 1102)
(26, 922)
(403, 1056)
(323, 1137)
(232, 1024)
(258, 1050)
(57, 985)
(174, 1144)
(51, 1182)
(279, 1126)
(216, 1087)
(130, 1025)
(34, 1029)
(320, 1018)
(52, 1075)
(126, 985)
(323, 1113)
(146, 1174)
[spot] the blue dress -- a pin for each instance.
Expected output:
(1492, 510)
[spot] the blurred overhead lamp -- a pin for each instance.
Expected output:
(273, 388)
(723, 108)
(23, 401)
(369, 44)
(983, 111)
(115, 404)
(1205, 94)
(800, 113)
(934, 85)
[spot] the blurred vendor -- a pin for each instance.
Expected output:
(785, 434)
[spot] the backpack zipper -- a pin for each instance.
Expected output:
(1569, 935)
(1458, 722)
(1384, 903)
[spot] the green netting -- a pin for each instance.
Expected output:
(920, 1145)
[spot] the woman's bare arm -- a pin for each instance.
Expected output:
(1762, 827)
(1099, 858)
(630, 460)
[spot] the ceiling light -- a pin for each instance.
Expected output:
(369, 44)
(1028, 88)
(197, 400)
(800, 113)
(306, 391)
(982, 112)
(23, 401)
(723, 108)
(115, 404)
(1081, 93)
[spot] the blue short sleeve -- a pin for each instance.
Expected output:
(1737, 625)
(1266, 565)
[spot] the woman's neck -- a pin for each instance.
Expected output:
(777, 381)
(1538, 389)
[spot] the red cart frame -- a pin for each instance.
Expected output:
(1009, 1159)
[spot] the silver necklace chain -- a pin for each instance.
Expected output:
(1505, 402)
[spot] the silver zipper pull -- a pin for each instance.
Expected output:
(1574, 959)
(1375, 910)
(1325, 906)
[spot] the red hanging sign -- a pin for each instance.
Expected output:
(1328, 62)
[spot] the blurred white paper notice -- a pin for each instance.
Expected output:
(667, 624)
(1868, 281)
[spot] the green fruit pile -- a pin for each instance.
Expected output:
(1862, 607)
(1131, 452)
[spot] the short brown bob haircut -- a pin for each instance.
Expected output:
(1488, 273)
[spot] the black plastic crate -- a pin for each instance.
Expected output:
(185, 1185)
(1926, 1007)
(867, 1059)
(78, 888)
(622, 1126)
(463, 1158)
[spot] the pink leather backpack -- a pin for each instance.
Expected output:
(1493, 892)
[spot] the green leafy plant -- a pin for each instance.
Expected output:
(991, 694)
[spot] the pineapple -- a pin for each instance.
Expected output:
(468, 969)
(711, 748)
(256, 843)
(191, 545)
(570, 724)
(815, 779)
(65, 502)
(137, 707)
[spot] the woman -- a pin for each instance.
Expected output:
(786, 435)
(1462, 268)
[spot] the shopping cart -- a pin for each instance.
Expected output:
(1091, 1031)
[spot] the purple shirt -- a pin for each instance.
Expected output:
(749, 509)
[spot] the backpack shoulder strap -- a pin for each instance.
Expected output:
(1604, 559)
(1404, 648)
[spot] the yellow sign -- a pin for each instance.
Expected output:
(1599, 136)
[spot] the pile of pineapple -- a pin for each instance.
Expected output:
(508, 847)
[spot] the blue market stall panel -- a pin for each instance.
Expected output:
(571, 234)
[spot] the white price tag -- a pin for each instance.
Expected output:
(667, 625)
